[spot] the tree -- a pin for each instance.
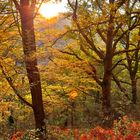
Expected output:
(131, 41)
(26, 10)
(97, 27)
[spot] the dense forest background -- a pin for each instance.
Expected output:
(78, 70)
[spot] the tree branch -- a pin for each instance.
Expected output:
(118, 83)
(124, 51)
(91, 43)
(16, 4)
(101, 35)
(115, 65)
(9, 80)
(71, 53)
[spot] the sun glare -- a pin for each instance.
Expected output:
(50, 10)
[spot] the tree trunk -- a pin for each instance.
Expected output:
(106, 90)
(106, 84)
(134, 90)
(72, 113)
(29, 47)
(106, 87)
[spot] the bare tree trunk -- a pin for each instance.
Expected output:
(29, 47)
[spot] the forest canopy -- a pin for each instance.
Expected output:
(69, 64)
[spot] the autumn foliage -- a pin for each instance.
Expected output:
(17, 136)
(123, 129)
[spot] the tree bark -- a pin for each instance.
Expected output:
(134, 90)
(106, 86)
(29, 48)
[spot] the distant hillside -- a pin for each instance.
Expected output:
(50, 29)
